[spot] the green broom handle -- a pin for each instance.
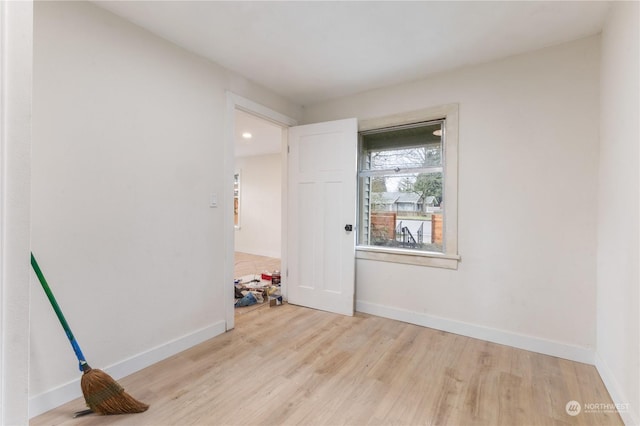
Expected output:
(56, 308)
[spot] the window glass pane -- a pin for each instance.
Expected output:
(401, 149)
(403, 211)
(402, 159)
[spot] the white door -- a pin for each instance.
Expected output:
(321, 208)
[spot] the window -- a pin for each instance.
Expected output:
(236, 200)
(407, 185)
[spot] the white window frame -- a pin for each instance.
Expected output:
(450, 258)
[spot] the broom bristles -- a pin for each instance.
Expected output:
(105, 396)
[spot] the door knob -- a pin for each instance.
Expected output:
(348, 228)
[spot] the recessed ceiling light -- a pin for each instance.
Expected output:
(437, 132)
(247, 135)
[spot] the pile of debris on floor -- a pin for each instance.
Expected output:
(254, 289)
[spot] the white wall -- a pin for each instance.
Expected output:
(527, 202)
(260, 205)
(618, 318)
(128, 146)
(16, 43)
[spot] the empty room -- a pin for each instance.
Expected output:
(453, 201)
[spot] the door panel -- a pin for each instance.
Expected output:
(322, 200)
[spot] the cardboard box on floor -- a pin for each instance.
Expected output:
(275, 301)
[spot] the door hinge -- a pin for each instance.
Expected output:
(288, 149)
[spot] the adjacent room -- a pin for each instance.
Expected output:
(257, 212)
(448, 191)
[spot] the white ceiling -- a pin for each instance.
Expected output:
(313, 51)
(266, 137)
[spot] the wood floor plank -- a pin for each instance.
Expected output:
(290, 365)
(248, 264)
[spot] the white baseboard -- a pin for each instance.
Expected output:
(627, 410)
(520, 341)
(46, 401)
(55, 397)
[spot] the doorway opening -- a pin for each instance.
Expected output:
(235, 105)
(257, 211)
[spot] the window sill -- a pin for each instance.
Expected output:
(436, 260)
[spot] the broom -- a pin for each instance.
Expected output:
(102, 394)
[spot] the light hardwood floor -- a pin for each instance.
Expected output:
(293, 365)
(246, 264)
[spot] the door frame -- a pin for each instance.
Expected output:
(16, 60)
(237, 102)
